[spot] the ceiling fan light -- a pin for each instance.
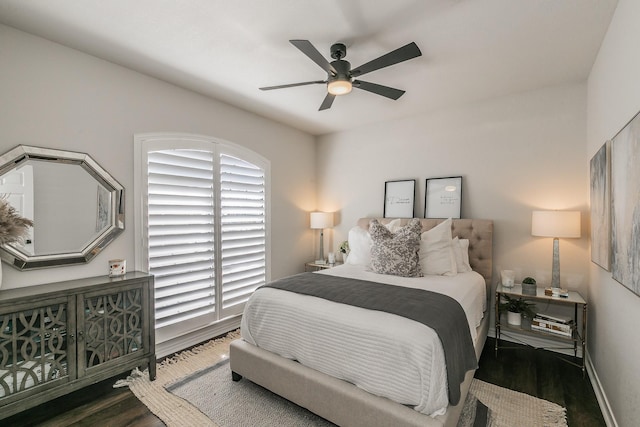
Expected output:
(339, 87)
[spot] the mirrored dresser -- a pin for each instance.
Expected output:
(60, 337)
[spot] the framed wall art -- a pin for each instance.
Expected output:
(600, 196)
(625, 205)
(399, 198)
(443, 197)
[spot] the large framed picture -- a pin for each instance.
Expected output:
(625, 206)
(600, 196)
(443, 197)
(399, 198)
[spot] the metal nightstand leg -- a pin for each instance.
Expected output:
(497, 321)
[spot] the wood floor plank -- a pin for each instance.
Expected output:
(96, 405)
(550, 378)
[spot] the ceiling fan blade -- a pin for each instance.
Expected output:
(326, 104)
(387, 91)
(308, 49)
(401, 54)
(293, 85)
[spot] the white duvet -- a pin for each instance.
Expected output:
(384, 354)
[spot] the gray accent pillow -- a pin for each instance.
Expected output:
(396, 253)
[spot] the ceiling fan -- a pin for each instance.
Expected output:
(340, 76)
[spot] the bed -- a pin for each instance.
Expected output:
(365, 394)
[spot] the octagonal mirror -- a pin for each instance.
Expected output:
(77, 208)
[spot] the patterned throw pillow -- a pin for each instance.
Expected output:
(360, 243)
(396, 253)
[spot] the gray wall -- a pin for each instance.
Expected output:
(516, 154)
(56, 97)
(613, 99)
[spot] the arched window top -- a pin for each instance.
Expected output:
(168, 140)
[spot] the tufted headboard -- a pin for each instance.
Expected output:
(478, 231)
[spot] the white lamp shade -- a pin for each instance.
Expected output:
(321, 220)
(565, 224)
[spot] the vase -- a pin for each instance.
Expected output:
(344, 258)
(508, 278)
(514, 318)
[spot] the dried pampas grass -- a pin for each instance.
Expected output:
(13, 227)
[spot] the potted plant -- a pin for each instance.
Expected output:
(529, 286)
(13, 227)
(344, 250)
(516, 308)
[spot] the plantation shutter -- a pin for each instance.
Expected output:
(203, 228)
(181, 234)
(243, 231)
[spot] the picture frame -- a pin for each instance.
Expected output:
(443, 197)
(600, 201)
(625, 206)
(399, 198)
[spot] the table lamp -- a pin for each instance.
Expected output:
(556, 224)
(321, 220)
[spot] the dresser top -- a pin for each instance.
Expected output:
(70, 285)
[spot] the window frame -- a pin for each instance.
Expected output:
(143, 144)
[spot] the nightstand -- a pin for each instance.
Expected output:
(312, 266)
(578, 336)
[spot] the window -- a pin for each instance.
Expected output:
(202, 220)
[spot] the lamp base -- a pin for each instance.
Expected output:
(321, 253)
(555, 267)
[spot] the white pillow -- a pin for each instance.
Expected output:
(436, 251)
(461, 252)
(359, 247)
(360, 243)
(394, 225)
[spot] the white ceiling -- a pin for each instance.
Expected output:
(471, 49)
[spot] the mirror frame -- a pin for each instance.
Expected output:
(23, 153)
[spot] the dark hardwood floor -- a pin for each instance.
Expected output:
(543, 374)
(99, 405)
(535, 372)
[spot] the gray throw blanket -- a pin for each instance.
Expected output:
(440, 312)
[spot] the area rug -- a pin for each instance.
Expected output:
(171, 409)
(194, 388)
(241, 403)
(508, 408)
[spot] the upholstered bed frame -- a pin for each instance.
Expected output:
(341, 402)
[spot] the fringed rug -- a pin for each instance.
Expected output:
(201, 375)
(508, 408)
(171, 409)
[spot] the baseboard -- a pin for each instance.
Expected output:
(603, 402)
(535, 341)
(177, 344)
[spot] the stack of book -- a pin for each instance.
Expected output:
(556, 292)
(554, 325)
